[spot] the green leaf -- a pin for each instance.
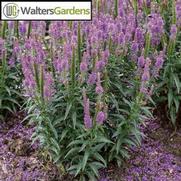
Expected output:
(54, 131)
(78, 169)
(98, 147)
(67, 110)
(29, 117)
(1, 117)
(170, 98)
(6, 108)
(124, 153)
(100, 158)
(103, 140)
(129, 142)
(71, 151)
(63, 134)
(85, 158)
(74, 118)
(173, 115)
(84, 146)
(177, 82)
(147, 111)
(94, 169)
(55, 144)
(75, 142)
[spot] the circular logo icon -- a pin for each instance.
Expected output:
(11, 10)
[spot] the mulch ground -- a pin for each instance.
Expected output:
(158, 158)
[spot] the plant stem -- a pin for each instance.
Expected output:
(17, 29)
(79, 56)
(4, 27)
(147, 46)
(36, 74)
(73, 69)
(115, 8)
(42, 84)
(29, 29)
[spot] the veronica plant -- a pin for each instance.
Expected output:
(170, 83)
(88, 84)
(10, 75)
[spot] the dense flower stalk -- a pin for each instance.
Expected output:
(155, 28)
(178, 12)
(99, 88)
(87, 118)
(101, 117)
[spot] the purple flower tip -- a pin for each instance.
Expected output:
(101, 117)
(92, 78)
(99, 89)
(141, 62)
(83, 67)
(87, 121)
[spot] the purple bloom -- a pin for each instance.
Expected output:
(106, 54)
(145, 76)
(100, 65)
(83, 66)
(2, 47)
(148, 3)
(121, 38)
(10, 25)
(159, 62)
(57, 65)
(87, 118)
(134, 47)
(155, 27)
(139, 36)
(11, 62)
(173, 32)
(141, 62)
(22, 28)
(87, 121)
(64, 64)
(48, 86)
(178, 12)
(92, 78)
(146, 72)
(101, 117)
(99, 88)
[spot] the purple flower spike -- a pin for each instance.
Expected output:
(101, 117)
(178, 12)
(22, 28)
(141, 62)
(87, 118)
(159, 62)
(83, 66)
(134, 47)
(100, 65)
(146, 73)
(99, 88)
(145, 76)
(173, 32)
(87, 122)
(92, 78)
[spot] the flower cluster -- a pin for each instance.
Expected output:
(155, 27)
(81, 50)
(32, 57)
(178, 12)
